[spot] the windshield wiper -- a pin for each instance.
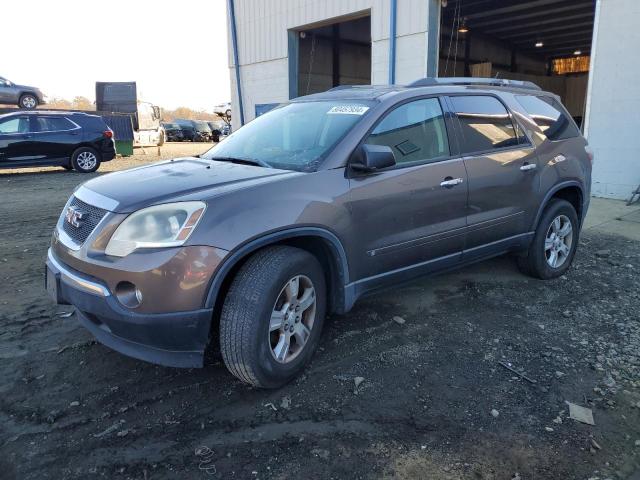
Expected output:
(241, 161)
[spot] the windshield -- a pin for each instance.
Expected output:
(202, 127)
(296, 136)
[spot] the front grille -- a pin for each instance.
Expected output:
(91, 218)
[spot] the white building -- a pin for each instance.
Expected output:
(583, 50)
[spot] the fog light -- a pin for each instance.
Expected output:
(128, 294)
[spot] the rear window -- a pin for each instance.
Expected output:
(485, 122)
(549, 116)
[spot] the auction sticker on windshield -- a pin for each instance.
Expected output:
(348, 109)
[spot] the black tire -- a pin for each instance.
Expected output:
(85, 166)
(28, 101)
(228, 113)
(535, 262)
(245, 334)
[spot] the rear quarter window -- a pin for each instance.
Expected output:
(96, 124)
(549, 116)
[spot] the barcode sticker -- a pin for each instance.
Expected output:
(348, 110)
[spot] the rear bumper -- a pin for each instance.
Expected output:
(176, 339)
(108, 152)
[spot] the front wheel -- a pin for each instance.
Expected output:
(28, 101)
(554, 243)
(272, 316)
(85, 160)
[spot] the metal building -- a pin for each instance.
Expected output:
(583, 50)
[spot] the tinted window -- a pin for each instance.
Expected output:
(15, 125)
(52, 124)
(548, 115)
(415, 132)
(486, 124)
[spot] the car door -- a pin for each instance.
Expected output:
(410, 218)
(503, 174)
(55, 138)
(5, 91)
(16, 141)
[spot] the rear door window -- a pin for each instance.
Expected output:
(53, 124)
(486, 124)
(415, 132)
(549, 116)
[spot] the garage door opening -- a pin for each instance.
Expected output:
(332, 54)
(545, 41)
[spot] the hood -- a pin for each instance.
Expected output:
(27, 87)
(176, 180)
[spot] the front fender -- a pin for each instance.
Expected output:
(246, 249)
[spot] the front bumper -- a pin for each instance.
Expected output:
(176, 339)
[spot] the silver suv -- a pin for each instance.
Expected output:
(309, 207)
(21, 95)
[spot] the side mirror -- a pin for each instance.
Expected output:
(369, 158)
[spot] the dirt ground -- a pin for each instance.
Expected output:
(432, 400)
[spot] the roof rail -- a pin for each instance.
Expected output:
(492, 82)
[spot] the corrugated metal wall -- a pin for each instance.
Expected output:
(263, 41)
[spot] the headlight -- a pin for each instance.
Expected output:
(167, 225)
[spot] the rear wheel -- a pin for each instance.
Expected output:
(554, 243)
(272, 316)
(85, 160)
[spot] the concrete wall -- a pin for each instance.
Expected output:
(613, 102)
(263, 42)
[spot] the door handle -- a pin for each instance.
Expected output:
(451, 182)
(528, 166)
(559, 158)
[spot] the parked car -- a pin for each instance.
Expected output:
(312, 205)
(223, 109)
(173, 132)
(194, 130)
(225, 130)
(21, 95)
(188, 132)
(215, 131)
(39, 138)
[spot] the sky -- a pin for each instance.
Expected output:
(175, 51)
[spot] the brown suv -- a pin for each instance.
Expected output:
(310, 206)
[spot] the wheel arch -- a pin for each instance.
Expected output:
(321, 243)
(571, 191)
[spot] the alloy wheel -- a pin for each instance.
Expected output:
(558, 241)
(292, 319)
(29, 102)
(86, 160)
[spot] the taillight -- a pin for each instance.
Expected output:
(108, 134)
(589, 151)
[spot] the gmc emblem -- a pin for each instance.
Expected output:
(74, 216)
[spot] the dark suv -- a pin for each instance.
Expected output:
(40, 138)
(173, 132)
(305, 209)
(194, 130)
